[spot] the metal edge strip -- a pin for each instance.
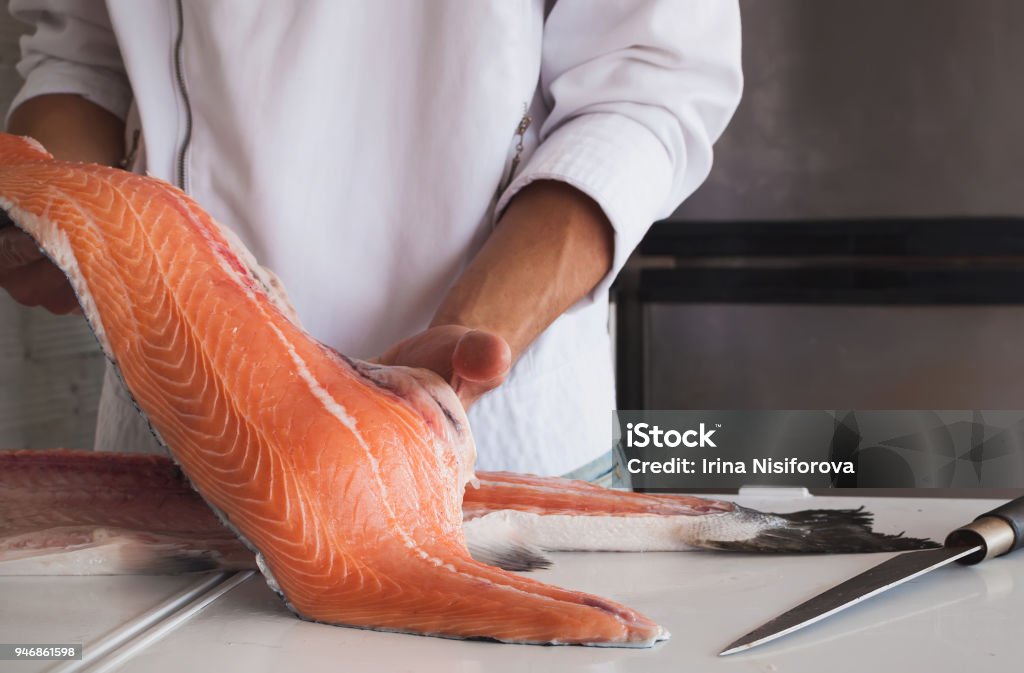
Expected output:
(120, 644)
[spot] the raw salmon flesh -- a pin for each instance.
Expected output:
(345, 480)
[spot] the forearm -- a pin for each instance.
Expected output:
(552, 246)
(71, 128)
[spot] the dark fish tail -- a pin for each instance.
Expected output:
(820, 531)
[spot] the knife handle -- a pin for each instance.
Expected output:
(998, 532)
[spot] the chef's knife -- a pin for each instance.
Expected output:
(992, 534)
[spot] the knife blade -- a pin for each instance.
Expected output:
(992, 534)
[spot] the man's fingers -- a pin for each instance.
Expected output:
(29, 277)
(40, 283)
(16, 250)
(62, 302)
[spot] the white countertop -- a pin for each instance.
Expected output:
(950, 620)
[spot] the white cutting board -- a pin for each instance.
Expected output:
(951, 620)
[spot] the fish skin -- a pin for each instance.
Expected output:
(349, 494)
(554, 514)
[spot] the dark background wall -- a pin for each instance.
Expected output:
(874, 107)
(858, 108)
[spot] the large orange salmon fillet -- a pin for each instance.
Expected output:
(345, 479)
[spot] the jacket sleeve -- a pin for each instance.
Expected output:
(637, 91)
(73, 50)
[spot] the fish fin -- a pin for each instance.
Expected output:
(514, 556)
(820, 531)
(497, 541)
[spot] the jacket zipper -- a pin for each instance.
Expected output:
(179, 73)
(520, 135)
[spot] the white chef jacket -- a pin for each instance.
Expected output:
(361, 150)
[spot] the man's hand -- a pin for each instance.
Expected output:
(472, 361)
(73, 129)
(30, 278)
(552, 247)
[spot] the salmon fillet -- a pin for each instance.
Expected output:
(349, 484)
(345, 479)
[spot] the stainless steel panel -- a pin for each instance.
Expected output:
(726, 356)
(873, 108)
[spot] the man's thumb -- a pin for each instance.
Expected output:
(481, 357)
